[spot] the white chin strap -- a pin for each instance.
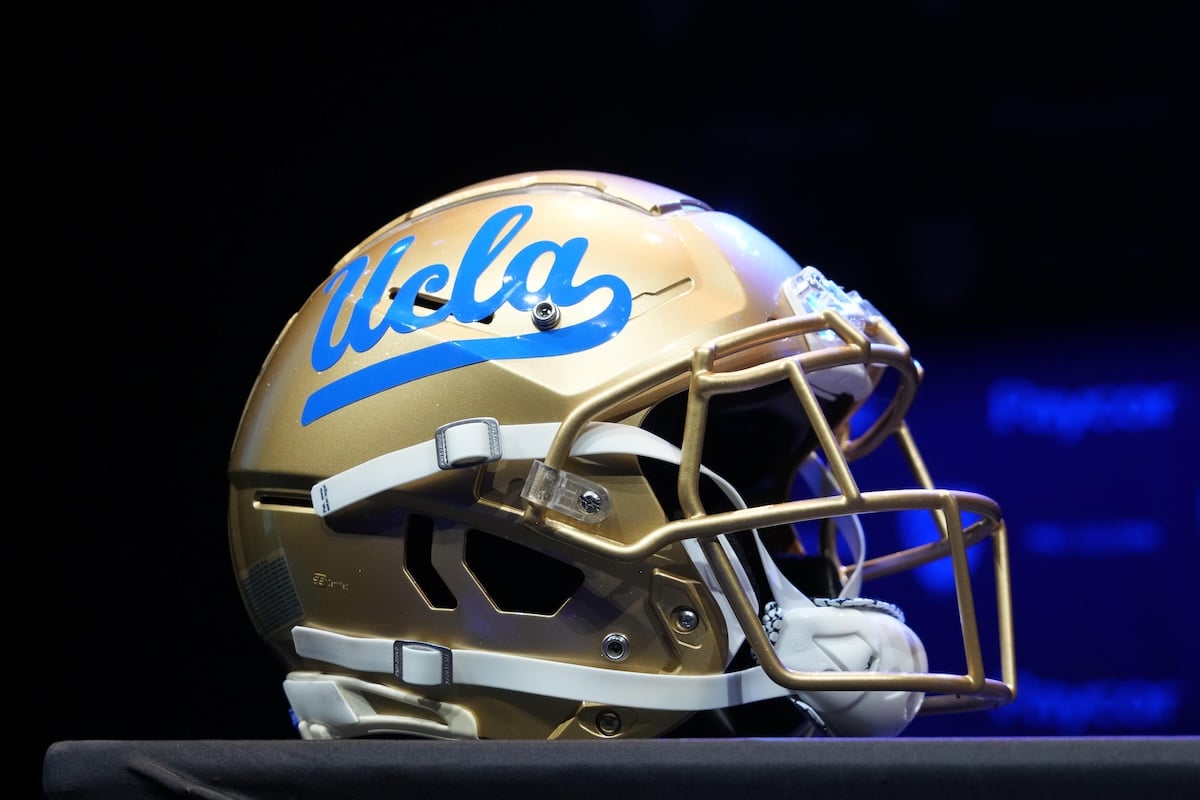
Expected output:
(837, 634)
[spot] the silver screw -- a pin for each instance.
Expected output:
(608, 723)
(686, 619)
(615, 647)
(545, 315)
(589, 501)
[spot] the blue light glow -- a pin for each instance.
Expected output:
(1018, 405)
(1080, 537)
(937, 577)
(1108, 705)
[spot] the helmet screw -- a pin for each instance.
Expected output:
(615, 647)
(686, 619)
(545, 315)
(589, 501)
(608, 723)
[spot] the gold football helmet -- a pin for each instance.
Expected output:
(567, 454)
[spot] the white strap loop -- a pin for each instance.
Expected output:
(468, 442)
(422, 664)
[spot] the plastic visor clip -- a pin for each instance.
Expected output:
(422, 664)
(468, 442)
(559, 490)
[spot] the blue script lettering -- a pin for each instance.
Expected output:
(402, 317)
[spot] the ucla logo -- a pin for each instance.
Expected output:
(489, 244)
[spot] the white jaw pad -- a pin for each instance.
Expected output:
(845, 637)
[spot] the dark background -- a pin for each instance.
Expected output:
(1013, 184)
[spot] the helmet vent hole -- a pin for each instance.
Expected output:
(519, 579)
(431, 303)
(418, 562)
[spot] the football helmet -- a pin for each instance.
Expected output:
(567, 454)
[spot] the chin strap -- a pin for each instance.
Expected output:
(818, 638)
(471, 442)
(425, 664)
(839, 634)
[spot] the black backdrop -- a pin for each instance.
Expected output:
(977, 169)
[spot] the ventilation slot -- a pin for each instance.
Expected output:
(284, 500)
(517, 578)
(431, 303)
(418, 563)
